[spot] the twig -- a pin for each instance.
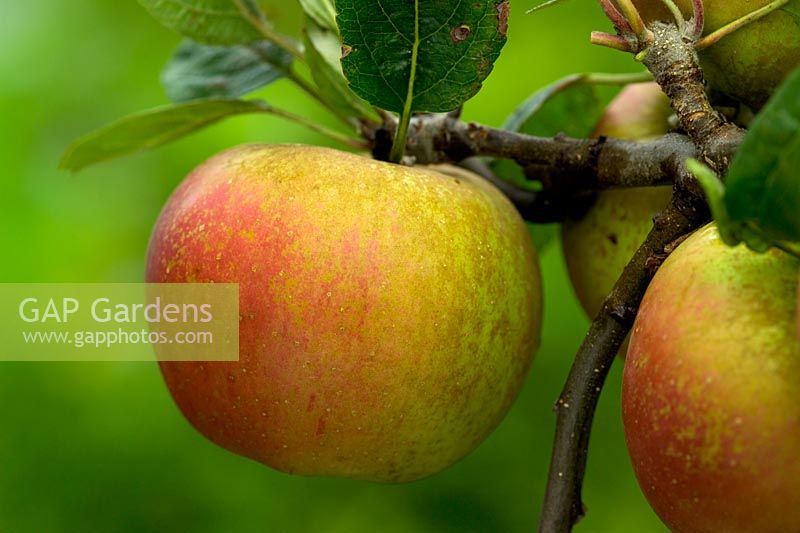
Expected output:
(566, 168)
(674, 64)
(576, 405)
(676, 68)
(557, 162)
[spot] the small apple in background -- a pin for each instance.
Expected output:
(751, 63)
(711, 389)
(388, 314)
(599, 246)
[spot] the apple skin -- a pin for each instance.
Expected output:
(711, 387)
(749, 64)
(388, 314)
(598, 246)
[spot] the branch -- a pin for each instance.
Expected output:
(584, 164)
(675, 67)
(568, 169)
(537, 207)
(576, 405)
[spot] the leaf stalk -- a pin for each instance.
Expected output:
(758, 14)
(399, 144)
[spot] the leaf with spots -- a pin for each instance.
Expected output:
(322, 51)
(322, 12)
(422, 55)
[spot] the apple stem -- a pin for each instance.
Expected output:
(617, 19)
(632, 33)
(699, 19)
(610, 41)
(601, 78)
(633, 17)
(737, 24)
(675, 12)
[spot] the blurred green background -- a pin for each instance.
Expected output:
(101, 447)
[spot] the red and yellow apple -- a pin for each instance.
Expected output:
(388, 314)
(711, 388)
(599, 245)
(750, 63)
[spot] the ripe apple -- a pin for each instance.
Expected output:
(388, 314)
(711, 387)
(750, 63)
(598, 246)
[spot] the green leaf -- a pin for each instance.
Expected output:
(205, 21)
(323, 49)
(793, 8)
(200, 71)
(153, 128)
(420, 55)
(714, 190)
(323, 12)
(567, 106)
(763, 183)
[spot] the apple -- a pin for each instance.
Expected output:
(711, 387)
(388, 314)
(750, 63)
(598, 246)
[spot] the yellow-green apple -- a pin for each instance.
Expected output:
(388, 314)
(711, 387)
(750, 63)
(599, 245)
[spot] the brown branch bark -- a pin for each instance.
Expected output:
(575, 408)
(558, 162)
(675, 67)
(567, 168)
